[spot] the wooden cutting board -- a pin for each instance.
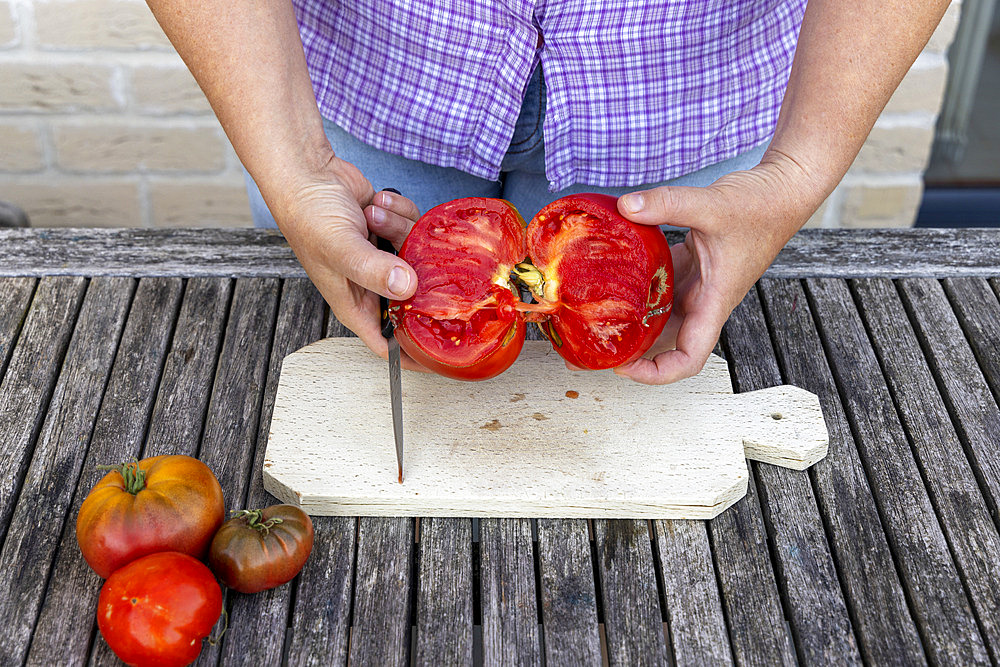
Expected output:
(537, 441)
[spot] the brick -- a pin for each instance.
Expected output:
(895, 148)
(8, 26)
(20, 148)
(875, 205)
(124, 147)
(64, 202)
(167, 90)
(56, 87)
(200, 204)
(945, 32)
(922, 89)
(97, 24)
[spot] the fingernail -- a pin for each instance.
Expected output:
(632, 202)
(386, 199)
(399, 281)
(378, 214)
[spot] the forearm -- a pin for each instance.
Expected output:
(851, 56)
(248, 59)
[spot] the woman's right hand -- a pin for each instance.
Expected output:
(330, 221)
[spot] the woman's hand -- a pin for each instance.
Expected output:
(330, 221)
(737, 227)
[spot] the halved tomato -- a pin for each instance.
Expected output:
(602, 286)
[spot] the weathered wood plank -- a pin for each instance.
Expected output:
(182, 401)
(949, 478)
(66, 622)
(382, 590)
(321, 617)
(260, 253)
(691, 594)
(971, 404)
(31, 374)
(507, 593)
(62, 444)
(231, 426)
(257, 623)
(937, 597)
(815, 603)
(568, 590)
(15, 297)
(883, 626)
(978, 311)
(444, 593)
(633, 621)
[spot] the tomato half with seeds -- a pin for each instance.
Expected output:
(601, 286)
(462, 322)
(605, 284)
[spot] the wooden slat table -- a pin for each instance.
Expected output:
(116, 344)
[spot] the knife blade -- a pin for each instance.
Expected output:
(395, 382)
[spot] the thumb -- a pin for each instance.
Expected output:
(677, 205)
(381, 272)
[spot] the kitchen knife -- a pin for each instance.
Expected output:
(395, 386)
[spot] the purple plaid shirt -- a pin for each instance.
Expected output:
(636, 92)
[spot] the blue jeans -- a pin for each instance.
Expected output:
(522, 179)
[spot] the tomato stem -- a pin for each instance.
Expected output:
(253, 519)
(133, 476)
(214, 641)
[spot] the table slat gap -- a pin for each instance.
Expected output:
(44, 500)
(811, 588)
(916, 539)
(878, 608)
(258, 623)
(955, 493)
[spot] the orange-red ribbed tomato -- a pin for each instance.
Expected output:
(602, 286)
(162, 503)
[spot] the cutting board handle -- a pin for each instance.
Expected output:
(781, 425)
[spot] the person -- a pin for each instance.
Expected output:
(757, 107)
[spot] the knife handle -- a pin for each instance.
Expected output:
(383, 303)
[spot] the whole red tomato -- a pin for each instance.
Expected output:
(163, 503)
(260, 549)
(156, 610)
(602, 285)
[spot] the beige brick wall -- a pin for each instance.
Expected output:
(102, 125)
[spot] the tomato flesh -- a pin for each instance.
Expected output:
(462, 321)
(602, 285)
(605, 277)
